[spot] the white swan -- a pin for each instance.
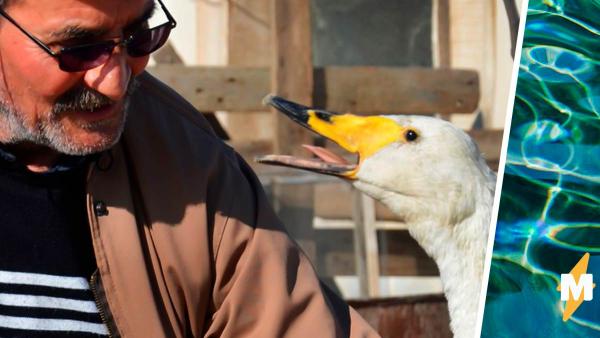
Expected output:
(428, 172)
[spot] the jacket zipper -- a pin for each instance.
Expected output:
(99, 304)
(94, 278)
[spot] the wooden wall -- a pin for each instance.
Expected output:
(480, 40)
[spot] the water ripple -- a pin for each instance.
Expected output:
(550, 204)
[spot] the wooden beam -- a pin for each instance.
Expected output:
(292, 68)
(441, 33)
(292, 77)
(366, 248)
(366, 90)
(387, 90)
(211, 32)
(217, 88)
(421, 316)
(249, 35)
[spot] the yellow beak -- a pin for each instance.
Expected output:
(362, 135)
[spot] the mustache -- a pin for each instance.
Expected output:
(82, 98)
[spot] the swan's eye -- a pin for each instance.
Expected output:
(411, 135)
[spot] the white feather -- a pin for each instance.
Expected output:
(441, 186)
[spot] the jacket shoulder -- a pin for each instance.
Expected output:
(155, 95)
(158, 116)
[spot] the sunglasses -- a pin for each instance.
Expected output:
(91, 55)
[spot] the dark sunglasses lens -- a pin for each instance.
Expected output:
(147, 41)
(82, 58)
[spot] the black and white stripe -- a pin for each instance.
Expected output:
(41, 305)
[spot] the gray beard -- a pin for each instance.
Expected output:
(50, 132)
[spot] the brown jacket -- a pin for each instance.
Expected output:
(186, 243)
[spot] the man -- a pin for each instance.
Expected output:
(108, 176)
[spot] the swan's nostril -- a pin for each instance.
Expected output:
(323, 116)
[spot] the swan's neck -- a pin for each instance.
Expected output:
(459, 251)
(453, 229)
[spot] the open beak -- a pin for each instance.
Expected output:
(361, 135)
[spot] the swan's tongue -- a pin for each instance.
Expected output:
(328, 162)
(325, 155)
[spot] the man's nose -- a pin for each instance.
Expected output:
(111, 78)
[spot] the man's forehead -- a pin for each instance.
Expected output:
(106, 6)
(73, 17)
(77, 30)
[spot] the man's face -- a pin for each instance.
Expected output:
(73, 113)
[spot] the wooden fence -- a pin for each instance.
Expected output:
(360, 90)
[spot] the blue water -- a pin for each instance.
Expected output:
(550, 206)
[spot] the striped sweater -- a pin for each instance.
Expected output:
(46, 255)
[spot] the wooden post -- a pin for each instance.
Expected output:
(292, 78)
(366, 248)
(441, 33)
(441, 38)
(211, 32)
(249, 45)
(292, 68)
(473, 40)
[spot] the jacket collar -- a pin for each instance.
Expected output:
(64, 164)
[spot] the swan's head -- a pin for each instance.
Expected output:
(417, 165)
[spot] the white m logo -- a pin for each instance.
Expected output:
(568, 287)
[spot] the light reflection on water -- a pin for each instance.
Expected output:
(550, 206)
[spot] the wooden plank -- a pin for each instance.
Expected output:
(388, 90)
(217, 88)
(249, 44)
(211, 33)
(365, 244)
(249, 33)
(441, 33)
(480, 38)
(292, 77)
(345, 224)
(421, 316)
(292, 68)
(368, 90)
